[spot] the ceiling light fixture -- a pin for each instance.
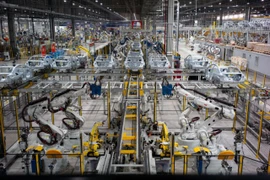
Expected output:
(101, 4)
(96, 1)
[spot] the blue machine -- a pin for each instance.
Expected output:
(96, 89)
(166, 88)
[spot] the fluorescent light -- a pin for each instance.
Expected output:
(158, 10)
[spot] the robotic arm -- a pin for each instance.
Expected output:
(49, 134)
(205, 103)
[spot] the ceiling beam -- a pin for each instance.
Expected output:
(104, 9)
(13, 6)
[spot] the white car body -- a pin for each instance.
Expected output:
(134, 63)
(66, 63)
(158, 62)
(39, 62)
(224, 75)
(14, 75)
(136, 45)
(135, 52)
(196, 63)
(105, 63)
(82, 59)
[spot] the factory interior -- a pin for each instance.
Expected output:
(130, 87)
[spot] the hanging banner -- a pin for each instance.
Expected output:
(43, 49)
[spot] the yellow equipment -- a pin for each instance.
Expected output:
(94, 142)
(165, 142)
(85, 50)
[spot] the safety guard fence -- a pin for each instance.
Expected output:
(12, 118)
(41, 163)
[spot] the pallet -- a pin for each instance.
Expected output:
(262, 52)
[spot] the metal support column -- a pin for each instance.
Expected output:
(264, 79)
(73, 27)
(268, 169)
(12, 35)
(169, 38)
(2, 135)
(221, 19)
(109, 105)
(155, 103)
(29, 100)
(81, 156)
(177, 27)
(247, 17)
(260, 132)
(268, 38)
(33, 25)
(206, 113)
(247, 73)
(154, 31)
(17, 119)
(184, 103)
(235, 116)
(52, 114)
(52, 28)
(247, 116)
(185, 164)
(37, 164)
(80, 104)
(240, 165)
(255, 77)
(172, 155)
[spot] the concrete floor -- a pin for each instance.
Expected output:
(168, 111)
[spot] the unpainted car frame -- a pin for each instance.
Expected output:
(135, 52)
(40, 63)
(12, 76)
(224, 75)
(134, 63)
(196, 63)
(66, 63)
(105, 63)
(158, 62)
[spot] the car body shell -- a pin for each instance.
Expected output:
(15, 75)
(224, 75)
(82, 59)
(158, 62)
(39, 62)
(66, 63)
(136, 45)
(105, 63)
(134, 63)
(135, 52)
(196, 63)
